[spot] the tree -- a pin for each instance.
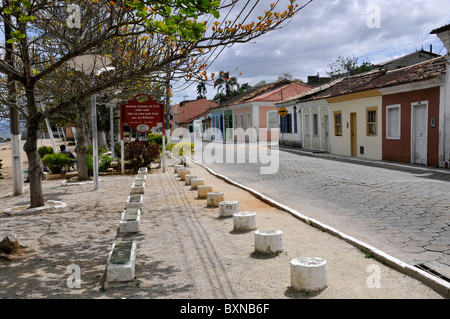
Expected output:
(180, 35)
(226, 84)
(201, 90)
(346, 65)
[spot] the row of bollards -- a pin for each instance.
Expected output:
(121, 260)
(306, 273)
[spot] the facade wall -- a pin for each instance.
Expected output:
(399, 149)
(368, 145)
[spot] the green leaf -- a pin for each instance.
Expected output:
(7, 11)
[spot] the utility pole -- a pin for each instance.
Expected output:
(16, 145)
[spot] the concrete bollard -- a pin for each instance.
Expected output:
(195, 182)
(183, 172)
(188, 177)
(203, 190)
(268, 241)
(244, 221)
(228, 208)
(176, 167)
(121, 261)
(135, 201)
(143, 170)
(129, 223)
(309, 274)
(214, 198)
(138, 187)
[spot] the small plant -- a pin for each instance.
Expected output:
(368, 255)
(308, 222)
(104, 163)
(102, 289)
(44, 150)
(55, 162)
(183, 149)
(1, 176)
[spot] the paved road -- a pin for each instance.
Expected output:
(403, 212)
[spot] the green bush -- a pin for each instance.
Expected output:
(117, 149)
(55, 162)
(44, 150)
(104, 162)
(100, 150)
(156, 138)
(179, 149)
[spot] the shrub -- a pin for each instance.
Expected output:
(141, 154)
(117, 149)
(55, 162)
(183, 149)
(100, 150)
(44, 150)
(104, 162)
(156, 138)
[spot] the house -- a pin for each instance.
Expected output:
(397, 115)
(409, 59)
(187, 112)
(252, 116)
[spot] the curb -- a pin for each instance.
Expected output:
(437, 284)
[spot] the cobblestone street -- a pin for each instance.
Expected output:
(404, 212)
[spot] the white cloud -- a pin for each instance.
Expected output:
(325, 30)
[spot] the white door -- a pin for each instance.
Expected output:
(420, 136)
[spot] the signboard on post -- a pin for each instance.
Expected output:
(142, 115)
(282, 111)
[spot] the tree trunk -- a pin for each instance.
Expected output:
(81, 148)
(35, 168)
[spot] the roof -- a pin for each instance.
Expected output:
(421, 52)
(376, 79)
(282, 93)
(441, 29)
(191, 110)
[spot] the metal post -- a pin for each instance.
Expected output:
(94, 139)
(16, 145)
(111, 119)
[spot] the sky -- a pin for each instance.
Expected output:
(370, 30)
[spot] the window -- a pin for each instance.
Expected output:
(242, 121)
(286, 124)
(272, 120)
(338, 123)
(315, 124)
(235, 121)
(249, 120)
(371, 121)
(393, 122)
(307, 125)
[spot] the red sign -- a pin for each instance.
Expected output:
(142, 116)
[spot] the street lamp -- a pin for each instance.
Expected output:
(92, 65)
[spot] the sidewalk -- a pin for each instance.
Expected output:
(184, 250)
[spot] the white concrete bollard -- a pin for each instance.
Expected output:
(121, 261)
(135, 201)
(129, 223)
(183, 172)
(268, 241)
(214, 198)
(143, 170)
(188, 177)
(176, 167)
(243, 221)
(228, 208)
(203, 190)
(138, 187)
(195, 182)
(309, 274)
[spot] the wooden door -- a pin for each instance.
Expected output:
(353, 135)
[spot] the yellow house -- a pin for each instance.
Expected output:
(357, 124)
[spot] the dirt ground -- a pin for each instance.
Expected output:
(184, 250)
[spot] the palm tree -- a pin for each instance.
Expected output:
(201, 90)
(226, 83)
